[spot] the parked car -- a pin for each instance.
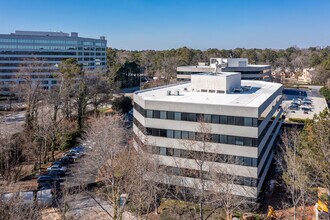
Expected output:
(56, 173)
(76, 153)
(58, 167)
(68, 159)
(47, 178)
(71, 154)
(62, 163)
(49, 185)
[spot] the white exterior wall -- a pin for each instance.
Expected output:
(269, 106)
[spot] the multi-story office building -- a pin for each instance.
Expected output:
(48, 49)
(241, 65)
(244, 118)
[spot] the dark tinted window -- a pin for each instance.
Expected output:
(191, 135)
(177, 134)
(170, 115)
(215, 138)
(231, 120)
(231, 140)
(223, 139)
(215, 119)
(239, 121)
(170, 133)
(191, 117)
(184, 134)
(156, 114)
(247, 121)
(223, 119)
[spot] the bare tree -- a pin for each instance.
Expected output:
(296, 175)
(107, 135)
(215, 186)
(99, 89)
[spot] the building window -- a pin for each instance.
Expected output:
(191, 117)
(255, 122)
(169, 151)
(247, 141)
(215, 119)
(177, 134)
(177, 116)
(162, 151)
(156, 114)
(223, 139)
(239, 121)
(239, 141)
(170, 133)
(247, 121)
(163, 133)
(163, 115)
(231, 120)
(170, 115)
(177, 153)
(149, 113)
(223, 119)
(207, 118)
(215, 138)
(191, 135)
(231, 140)
(185, 135)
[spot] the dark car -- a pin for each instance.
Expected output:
(68, 159)
(47, 178)
(56, 173)
(60, 163)
(49, 185)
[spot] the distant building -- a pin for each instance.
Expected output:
(248, 71)
(306, 75)
(244, 119)
(48, 48)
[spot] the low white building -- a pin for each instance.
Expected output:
(241, 65)
(244, 118)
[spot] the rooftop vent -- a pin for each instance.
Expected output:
(246, 88)
(238, 90)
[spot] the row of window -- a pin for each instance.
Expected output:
(47, 47)
(197, 136)
(225, 178)
(187, 73)
(195, 117)
(49, 59)
(32, 41)
(52, 53)
(202, 156)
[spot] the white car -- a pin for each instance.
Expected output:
(57, 167)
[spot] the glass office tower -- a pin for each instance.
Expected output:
(42, 52)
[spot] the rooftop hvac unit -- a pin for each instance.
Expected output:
(168, 92)
(177, 93)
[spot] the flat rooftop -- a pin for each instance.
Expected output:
(258, 93)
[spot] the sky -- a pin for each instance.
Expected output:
(167, 24)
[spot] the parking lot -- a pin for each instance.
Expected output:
(318, 104)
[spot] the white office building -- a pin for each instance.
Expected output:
(244, 118)
(240, 65)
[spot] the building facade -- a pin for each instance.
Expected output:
(241, 65)
(24, 48)
(243, 117)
